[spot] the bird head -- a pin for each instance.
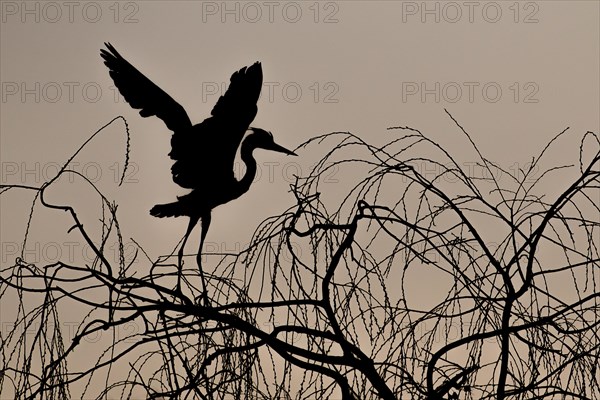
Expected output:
(261, 139)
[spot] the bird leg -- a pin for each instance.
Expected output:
(205, 225)
(191, 225)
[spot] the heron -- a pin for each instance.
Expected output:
(204, 153)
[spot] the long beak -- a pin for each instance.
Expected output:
(281, 149)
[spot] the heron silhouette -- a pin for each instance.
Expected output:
(204, 153)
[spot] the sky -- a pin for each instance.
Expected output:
(514, 74)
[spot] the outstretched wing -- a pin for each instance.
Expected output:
(240, 99)
(141, 93)
(207, 152)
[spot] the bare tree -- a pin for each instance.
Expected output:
(510, 307)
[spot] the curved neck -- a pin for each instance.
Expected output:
(248, 178)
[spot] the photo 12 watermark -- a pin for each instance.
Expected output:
(290, 92)
(452, 12)
(449, 173)
(67, 252)
(470, 92)
(126, 332)
(53, 12)
(51, 92)
(252, 12)
(29, 92)
(22, 172)
(287, 172)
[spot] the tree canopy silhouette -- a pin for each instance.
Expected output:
(325, 301)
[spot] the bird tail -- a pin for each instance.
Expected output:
(167, 210)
